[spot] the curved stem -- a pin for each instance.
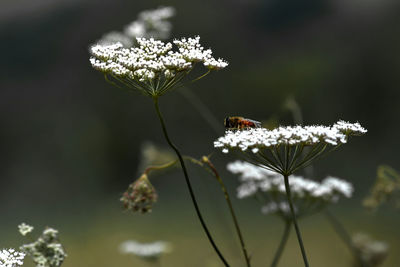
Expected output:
(289, 197)
(228, 201)
(344, 235)
(160, 167)
(282, 244)
(203, 224)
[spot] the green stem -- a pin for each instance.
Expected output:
(203, 224)
(344, 235)
(289, 197)
(228, 201)
(282, 244)
(160, 167)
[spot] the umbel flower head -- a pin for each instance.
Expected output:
(147, 251)
(11, 258)
(153, 67)
(308, 196)
(47, 250)
(153, 23)
(140, 196)
(287, 149)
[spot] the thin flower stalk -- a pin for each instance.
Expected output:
(185, 173)
(296, 226)
(207, 161)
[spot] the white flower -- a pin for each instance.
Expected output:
(286, 150)
(350, 128)
(46, 250)
(11, 258)
(116, 37)
(152, 67)
(275, 207)
(256, 179)
(25, 229)
(145, 250)
(260, 179)
(290, 135)
(339, 186)
(249, 172)
(150, 23)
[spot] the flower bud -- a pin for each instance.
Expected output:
(140, 196)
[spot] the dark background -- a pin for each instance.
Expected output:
(70, 142)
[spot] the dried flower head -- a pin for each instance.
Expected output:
(372, 252)
(309, 196)
(152, 23)
(148, 251)
(386, 188)
(140, 196)
(287, 149)
(153, 67)
(11, 258)
(25, 229)
(47, 250)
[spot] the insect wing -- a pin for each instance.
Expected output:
(255, 124)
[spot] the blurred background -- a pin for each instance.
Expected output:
(70, 143)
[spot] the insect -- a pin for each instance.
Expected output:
(240, 123)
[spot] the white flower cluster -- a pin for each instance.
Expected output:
(304, 192)
(145, 250)
(25, 229)
(276, 207)
(191, 50)
(11, 258)
(116, 37)
(152, 59)
(256, 179)
(150, 24)
(257, 138)
(46, 251)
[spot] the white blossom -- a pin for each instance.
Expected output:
(46, 251)
(149, 24)
(260, 179)
(291, 135)
(11, 258)
(257, 180)
(145, 250)
(153, 64)
(116, 37)
(25, 229)
(275, 207)
(152, 23)
(350, 128)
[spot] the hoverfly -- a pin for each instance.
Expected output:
(240, 123)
